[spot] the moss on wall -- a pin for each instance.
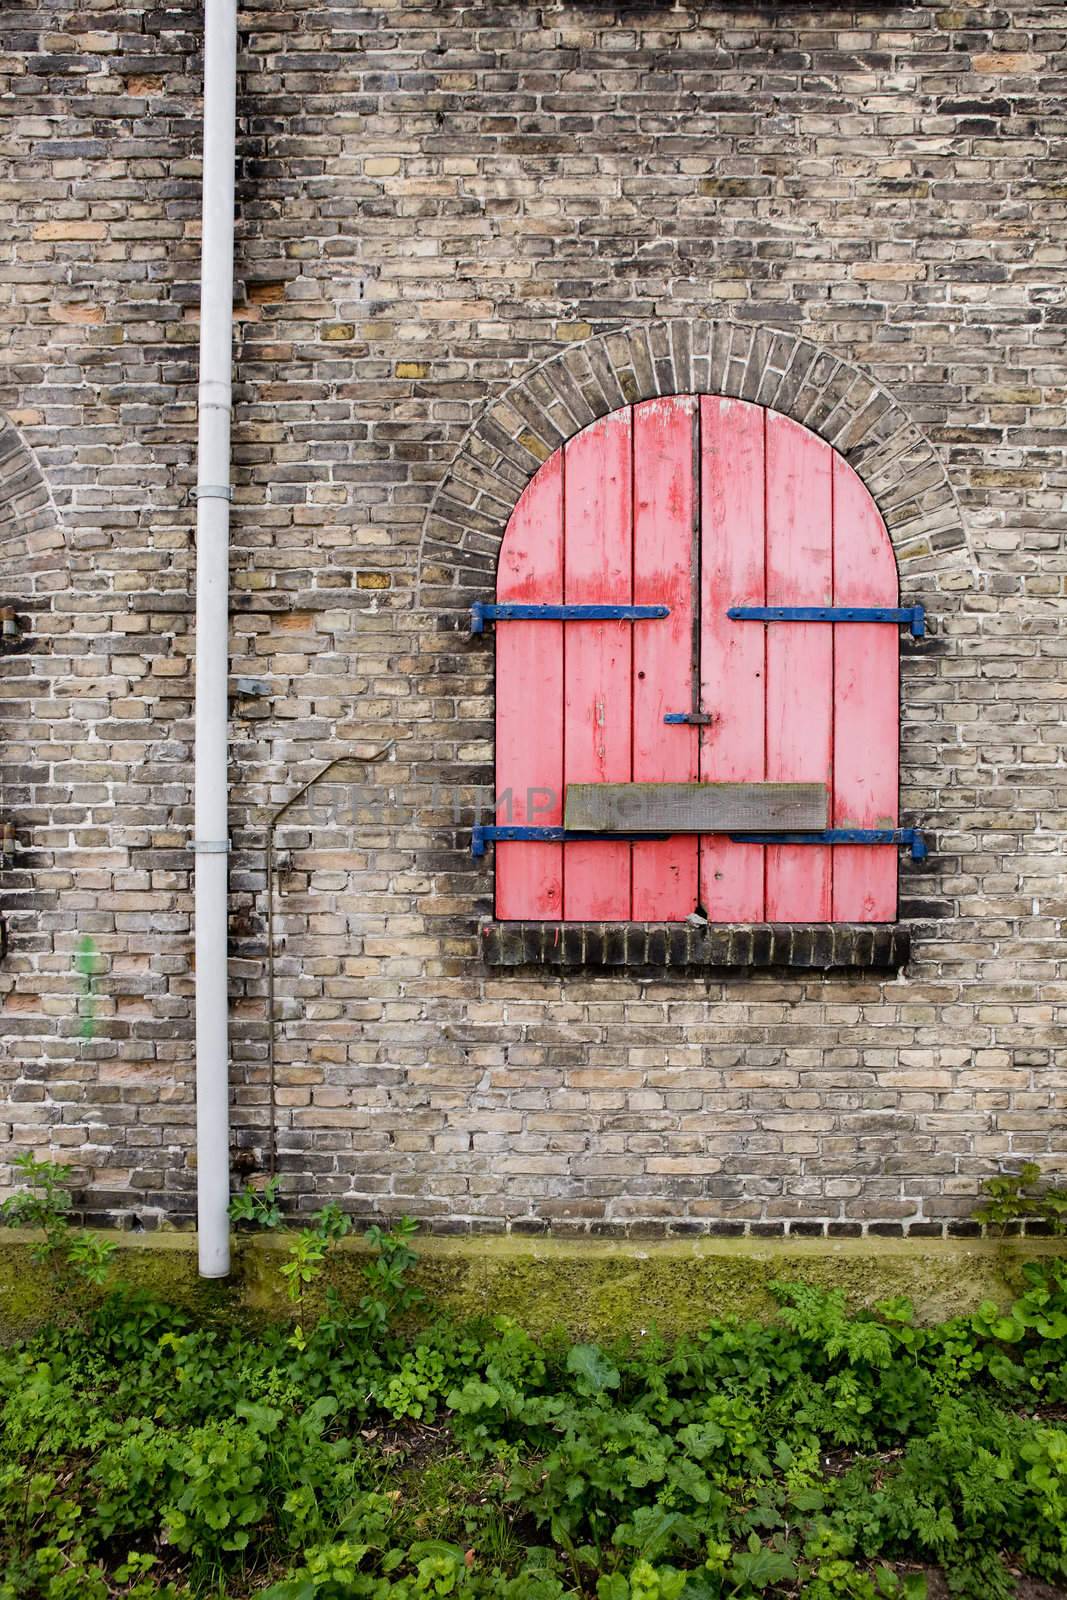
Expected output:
(585, 1288)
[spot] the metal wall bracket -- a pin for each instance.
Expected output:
(209, 847)
(694, 719)
(914, 616)
(912, 837)
(482, 612)
(273, 822)
(212, 491)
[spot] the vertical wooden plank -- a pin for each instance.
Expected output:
(799, 654)
(732, 653)
(866, 705)
(598, 566)
(529, 701)
(665, 433)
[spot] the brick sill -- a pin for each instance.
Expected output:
(723, 947)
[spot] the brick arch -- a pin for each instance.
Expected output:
(547, 405)
(33, 563)
(31, 532)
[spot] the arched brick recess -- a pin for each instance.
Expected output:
(903, 472)
(31, 536)
(554, 400)
(33, 569)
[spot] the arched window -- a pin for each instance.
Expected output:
(742, 541)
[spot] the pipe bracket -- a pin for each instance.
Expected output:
(209, 847)
(212, 491)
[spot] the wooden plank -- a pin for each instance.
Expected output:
(598, 566)
(799, 654)
(733, 669)
(664, 873)
(697, 807)
(529, 729)
(866, 705)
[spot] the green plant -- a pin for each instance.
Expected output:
(390, 1293)
(824, 1456)
(216, 1483)
(90, 1256)
(307, 1258)
(258, 1206)
(44, 1204)
(1016, 1197)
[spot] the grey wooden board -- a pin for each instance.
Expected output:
(696, 807)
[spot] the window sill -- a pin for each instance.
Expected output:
(723, 947)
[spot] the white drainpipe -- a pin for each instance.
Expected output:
(211, 832)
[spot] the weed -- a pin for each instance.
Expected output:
(259, 1207)
(145, 1457)
(1016, 1197)
(44, 1204)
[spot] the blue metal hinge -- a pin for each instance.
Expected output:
(483, 834)
(914, 616)
(486, 833)
(481, 613)
(910, 836)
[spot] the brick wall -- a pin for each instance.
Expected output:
(459, 224)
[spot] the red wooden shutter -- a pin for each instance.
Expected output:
(529, 701)
(719, 502)
(597, 656)
(733, 655)
(665, 519)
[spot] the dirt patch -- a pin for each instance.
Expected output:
(413, 1442)
(1025, 1588)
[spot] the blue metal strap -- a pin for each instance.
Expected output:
(483, 834)
(481, 613)
(914, 616)
(910, 836)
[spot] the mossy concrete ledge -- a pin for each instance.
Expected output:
(586, 1288)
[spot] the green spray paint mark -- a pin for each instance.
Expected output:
(86, 963)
